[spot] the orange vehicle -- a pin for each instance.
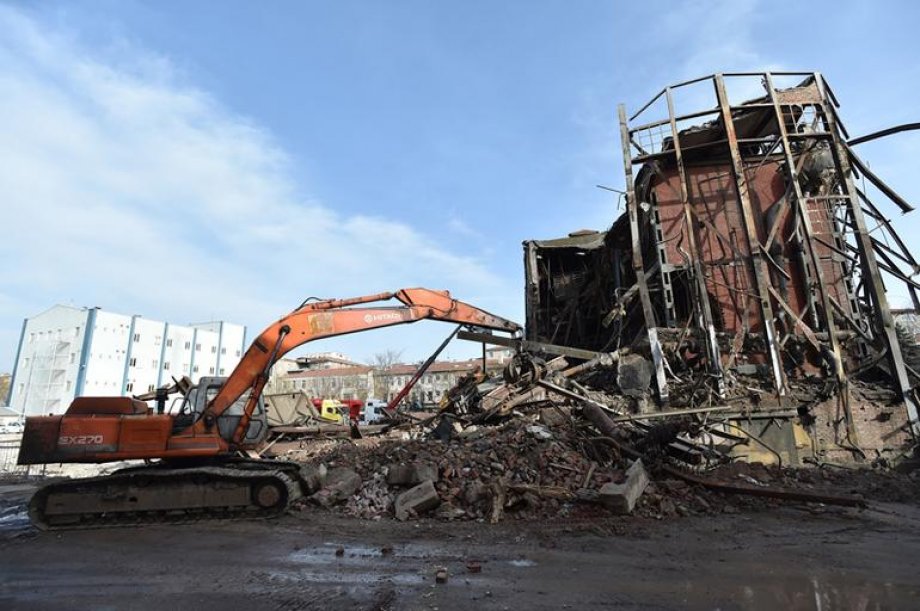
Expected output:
(199, 468)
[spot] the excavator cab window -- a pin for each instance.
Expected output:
(228, 421)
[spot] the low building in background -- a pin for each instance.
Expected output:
(331, 383)
(67, 351)
(335, 376)
(434, 384)
(325, 360)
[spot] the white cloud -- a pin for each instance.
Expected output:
(462, 228)
(122, 187)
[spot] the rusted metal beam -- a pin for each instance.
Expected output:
(880, 184)
(638, 265)
(801, 203)
(527, 345)
(758, 264)
(799, 323)
(608, 428)
(703, 306)
(876, 289)
(884, 132)
(532, 290)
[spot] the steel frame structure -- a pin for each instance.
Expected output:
(846, 242)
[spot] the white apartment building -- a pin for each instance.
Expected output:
(66, 352)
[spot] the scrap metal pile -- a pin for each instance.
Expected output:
(541, 442)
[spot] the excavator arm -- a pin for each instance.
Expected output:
(319, 319)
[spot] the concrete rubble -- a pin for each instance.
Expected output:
(621, 498)
(579, 450)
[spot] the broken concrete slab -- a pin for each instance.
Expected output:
(621, 498)
(411, 474)
(312, 478)
(416, 500)
(340, 484)
(552, 416)
(540, 432)
(634, 374)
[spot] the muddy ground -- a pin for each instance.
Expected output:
(788, 557)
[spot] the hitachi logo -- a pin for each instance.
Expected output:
(369, 318)
(80, 440)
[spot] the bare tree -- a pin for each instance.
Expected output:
(383, 361)
(387, 358)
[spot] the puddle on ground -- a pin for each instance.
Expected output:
(522, 562)
(349, 577)
(356, 554)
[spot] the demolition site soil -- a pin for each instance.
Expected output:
(789, 556)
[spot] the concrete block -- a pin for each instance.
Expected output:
(634, 374)
(540, 432)
(552, 416)
(416, 500)
(340, 484)
(621, 498)
(411, 474)
(312, 478)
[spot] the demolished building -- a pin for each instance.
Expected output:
(749, 269)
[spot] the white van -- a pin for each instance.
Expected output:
(373, 411)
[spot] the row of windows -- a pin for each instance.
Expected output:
(130, 387)
(169, 343)
(58, 334)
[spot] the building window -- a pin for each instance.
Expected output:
(237, 352)
(221, 371)
(137, 337)
(188, 345)
(157, 340)
(129, 386)
(213, 349)
(185, 367)
(156, 363)
(195, 370)
(169, 343)
(31, 337)
(197, 347)
(223, 351)
(166, 366)
(76, 332)
(211, 370)
(150, 388)
(133, 362)
(67, 386)
(73, 357)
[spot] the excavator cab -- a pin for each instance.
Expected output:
(198, 397)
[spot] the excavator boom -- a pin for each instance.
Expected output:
(331, 318)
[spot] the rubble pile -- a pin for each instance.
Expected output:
(520, 469)
(554, 441)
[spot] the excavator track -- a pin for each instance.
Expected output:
(157, 494)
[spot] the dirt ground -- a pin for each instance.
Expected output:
(789, 557)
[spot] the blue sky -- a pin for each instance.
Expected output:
(203, 160)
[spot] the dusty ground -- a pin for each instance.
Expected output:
(791, 557)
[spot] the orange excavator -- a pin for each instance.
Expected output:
(196, 463)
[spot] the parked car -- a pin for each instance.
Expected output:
(12, 427)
